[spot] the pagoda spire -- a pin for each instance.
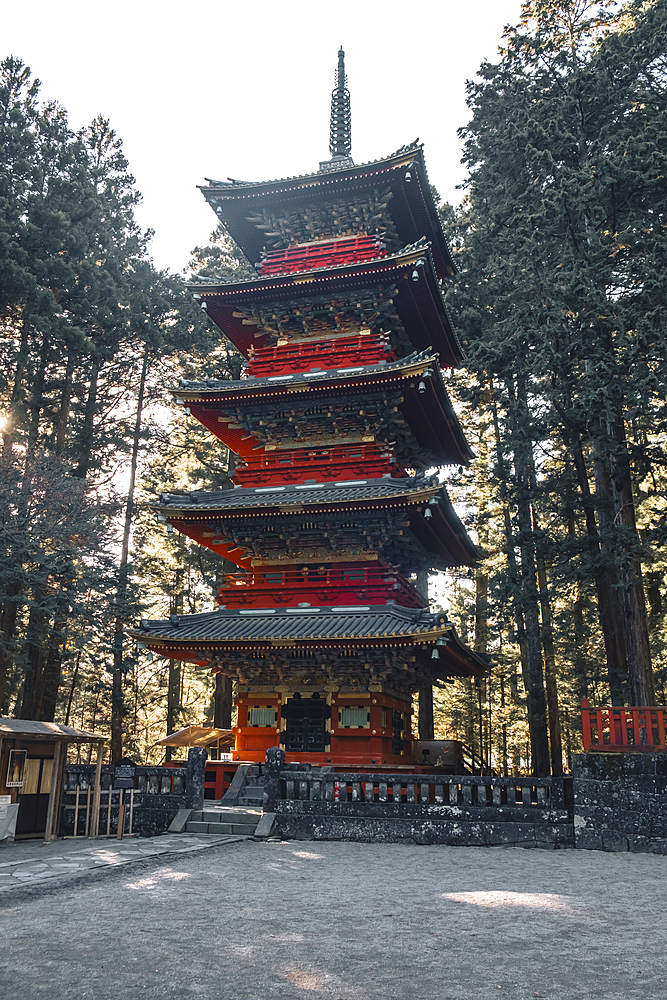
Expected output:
(340, 134)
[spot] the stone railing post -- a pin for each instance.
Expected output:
(275, 763)
(194, 778)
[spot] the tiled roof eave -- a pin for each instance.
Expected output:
(248, 189)
(383, 622)
(206, 642)
(395, 262)
(392, 371)
(380, 492)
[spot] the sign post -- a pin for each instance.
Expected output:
(123, 777)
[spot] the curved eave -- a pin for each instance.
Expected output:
(429, 413)
(197, 647)
(201, 646)
(457, 660)
(444, 534)
(267, 502)
(337, 380)
(317, 628)
(412, 207)
(432, 417)
(420, 304)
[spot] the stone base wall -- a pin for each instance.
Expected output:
(612, 802)
(620, 802)
(470, 826)
(416, 831)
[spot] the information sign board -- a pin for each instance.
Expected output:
(123, 773)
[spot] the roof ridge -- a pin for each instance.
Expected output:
(233, 184)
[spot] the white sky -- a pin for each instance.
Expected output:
(243, 90)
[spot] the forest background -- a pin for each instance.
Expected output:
(560, 302)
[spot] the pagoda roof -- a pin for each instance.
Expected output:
(358, 491)
(411, 207)
(434, 522)
(202, 636)
(429, 412)
(419, 301)
(251, 386)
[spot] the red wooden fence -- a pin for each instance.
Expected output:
(614, 729)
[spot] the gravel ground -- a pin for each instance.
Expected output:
(335, 921)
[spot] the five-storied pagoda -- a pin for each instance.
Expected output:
(339, 422)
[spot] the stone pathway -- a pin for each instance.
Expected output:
(35, 861)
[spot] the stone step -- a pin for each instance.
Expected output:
(226, 814)
(256, 793)
(240, 829)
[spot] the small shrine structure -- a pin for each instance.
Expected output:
(340, 423)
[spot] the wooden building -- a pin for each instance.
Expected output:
(338, 421)
(32, 765)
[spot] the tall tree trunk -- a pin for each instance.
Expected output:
(39, 616)
(425, 721)
(527, 666)
(482, 587)
(53, 668)
(85, 448)
(503, 735)
(36, 652)
(173, 701)
(555, 739)
(75, 677)
(633, 599)
(520, 421)
(175, 666)
(579, 670)
(13, 416)
(9, 618)
(65, 402)
(222, 711)
(609, 609)
(13, 590)
(117, 706)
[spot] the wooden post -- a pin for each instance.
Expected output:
(121, 815)
(425, 717)
(76, 807)
(60, 791)
(53, 791)
(222, 700)
(97, 791)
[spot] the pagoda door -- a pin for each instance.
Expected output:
(306, 725)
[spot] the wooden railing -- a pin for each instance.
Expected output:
(89, 819)
(426, 789)
(370, 584)
(612, 729)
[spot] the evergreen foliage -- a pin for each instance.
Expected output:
(561, 244)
